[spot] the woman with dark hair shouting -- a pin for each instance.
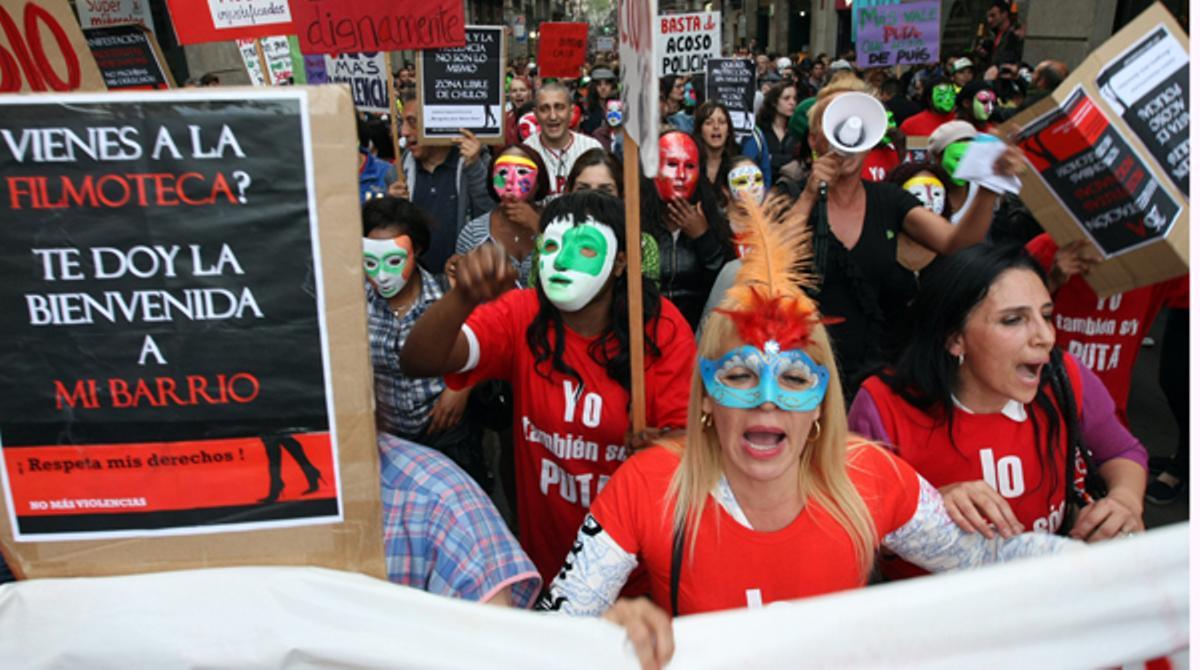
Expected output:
(1016, 434)
(564, 347)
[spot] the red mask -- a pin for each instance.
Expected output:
(678, 166)
(576, 117)
(527, 125)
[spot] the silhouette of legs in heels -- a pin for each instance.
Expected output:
(275, 445)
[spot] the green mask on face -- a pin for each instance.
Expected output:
(950, 158)
(942, 98)
(575, 261)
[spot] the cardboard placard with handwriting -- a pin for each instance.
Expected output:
(45, 49)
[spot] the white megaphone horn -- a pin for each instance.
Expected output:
(854, 123)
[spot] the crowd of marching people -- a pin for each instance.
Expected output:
(856, 357)
(856, 361)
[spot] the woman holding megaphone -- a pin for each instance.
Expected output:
(856, 223)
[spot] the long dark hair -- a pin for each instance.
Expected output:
(611, 349)
(924, 374)
(767, 113)
(728, 152)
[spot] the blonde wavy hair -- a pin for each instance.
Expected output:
(823, 467)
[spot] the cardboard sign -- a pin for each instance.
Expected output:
(1147, 86)
(562, 49)
(277, 51)
(199, 21)
(683, 43)
(1109, 152)
(128, 57)
(190, 283)
(346, 26)
(42, 49)
(731, 82)
(102, 13)
(916, 149)
(463, 87)
(905, 34)
(639, 78)
(365, 74)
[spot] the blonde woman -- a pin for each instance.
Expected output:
(768, 497)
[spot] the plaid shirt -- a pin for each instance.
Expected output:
(402, 404)
(441, 532)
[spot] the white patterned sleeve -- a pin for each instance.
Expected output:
(931, 540)
(592, 575)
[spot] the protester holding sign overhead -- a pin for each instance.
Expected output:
(563, 345)
(449, 182)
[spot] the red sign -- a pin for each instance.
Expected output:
(199, 21)
(347, 26)
(562, 49)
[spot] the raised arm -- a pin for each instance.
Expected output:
(437, 346)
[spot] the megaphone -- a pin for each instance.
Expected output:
(854, 123)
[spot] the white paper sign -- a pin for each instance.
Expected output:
(100, 13)
(639, 77)
(238, 13)
(683, 43)
(366, 74)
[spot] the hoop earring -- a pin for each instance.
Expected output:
(817, 425)
(706, 420)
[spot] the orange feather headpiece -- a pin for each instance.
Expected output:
(767, 301)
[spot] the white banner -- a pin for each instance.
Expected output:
(639, 77)
(683, 43)
(1107, 605)
(100, 13)
(366, 74)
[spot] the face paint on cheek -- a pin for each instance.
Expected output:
(514, 177)
(746, 181)
(678, 166)
(929, 190)
(575, 261)
(388, 263)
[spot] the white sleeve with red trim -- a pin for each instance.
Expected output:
(931, 540)
(592, 576)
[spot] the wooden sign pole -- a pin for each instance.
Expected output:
(633, 274)
(393, 114)
(262, 62)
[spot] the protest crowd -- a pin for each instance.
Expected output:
(861, 363)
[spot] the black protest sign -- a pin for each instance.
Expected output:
(1148, 87)
(163, 344)
(731, 82)
(463, 87)
(1094, 173)
(128, 57)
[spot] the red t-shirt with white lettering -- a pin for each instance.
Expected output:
(1105, 334)
(992, 447)
(734, 566)
(879, 162)
(570, 438)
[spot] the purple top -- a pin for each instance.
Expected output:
(1100, 430)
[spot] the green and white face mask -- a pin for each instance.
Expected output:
(388, 263)
(950, 158)
(574, 261)
(942, 98)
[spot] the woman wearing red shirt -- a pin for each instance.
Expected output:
(984, 406)
(767, 497)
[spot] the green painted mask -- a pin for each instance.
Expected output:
(386, 263)
(942, 97)
(950, 158)
(574, 261)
